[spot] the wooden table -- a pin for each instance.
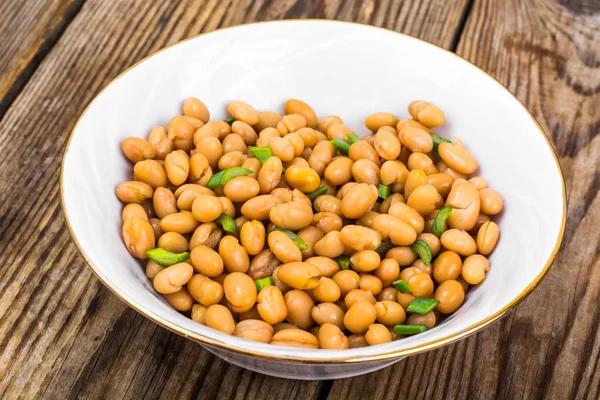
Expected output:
(63, 335)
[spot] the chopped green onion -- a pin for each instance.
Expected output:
(215, 180)
(384, 247)
(437, 140)
(423, 251)
(230, 120)
(342, 146)
(232, 172)
(439, 222)
(409, 329)
(165, 258)
(422, 305)
(384, 191)
(261, 152)
(401, 286)
(263, 283)
(227, 223)
(317, 193)
(344, 262)
(298, 241)
(352, 138)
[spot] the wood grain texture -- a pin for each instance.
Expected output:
(27, 35)
(62, 334)
(547, 53)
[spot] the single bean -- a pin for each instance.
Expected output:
(294, 215)
(339, 131)
(378, 334)
(365, 260)
(199, 313)
(252, 236)
(330, 246)
(295, 338)
(193, 107)
(394, 172)
(390, 313)
(297, 143)
(150, 172)
(321, 156)
(255, 330)
(487, 237)
(408, 215)
(326, 266)
(429, 319)
(138, 236)
(356, 295)
(177, 166)
(299, 305)
(432, 241)
(271, 305)
(205, 291)
(241, 188)
(360, 316)
(331, 337)
(416, 139)
(357, 340)
(426, 113)
(459, 241)
(415, 178)
(160, 142)
(171, 279)
(441, 182)
(231, 159)
(211, 148)
(132, 210)
(392, 227)
(456, 156)
(291, 123)
(421, 161)
(284, 248)
(465, 203)
(327, 222)
(403, 255)
(258, 208)
(207, 234)
(326, 122)
(404, 299)
(152, 269)
(474, 269)
(136, 149)
(206, 261)
(360, 238)
(424, 199)
(375, 121)
(358, 200)
(240, 291)
(366, 171)
(444, 168)
(387, 271)
(362, 150)
(206, 208)
(339, 171)
(367, 219)
(491, 201)
(134, 192)
(294, 106)
(479, 182)
(270, 175)
(186, 199)
(309, 137)
(387, 145)
(302, 178)
(310, 235)
(346, 280)
(451, 296)
(180, 300)
(219, 317)
(243, 112)
(173, 242)
(235, 257)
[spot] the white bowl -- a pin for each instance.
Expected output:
(339, 68)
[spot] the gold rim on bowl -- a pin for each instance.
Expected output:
(350, 359)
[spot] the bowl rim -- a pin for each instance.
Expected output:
(427, 346)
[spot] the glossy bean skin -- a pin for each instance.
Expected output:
(255, 330)
(206, 208)
(387, 145)
(356, 295)
(160, 142)
(328, 313)
(269, 175)
(138, 236)
(132, 210)
(365, 260)
(152, 269)
(424, 199)
(451, 296)
(357, 340)
(441, 182)
(231, 159)
(429, 319)
(235, 258)
(271, 305)
(377, 120)
(180, 300)
(295, 338)
(330, 246)
(444, 168)
(328, 203)
(207, 234)
(432, 241)
(339, 171)
(362, 150)
(326, 122)
(474, 269)
(283, 247)
(281, 148)
(259, 207)
(219, 318)
(360, 316)
(200, 170)
(388, 293)
(206, 261)
(299, 306)
(387, 271)
(456, 156)
(403, 255)
(243, 112)
(199, 313)
(420, 284)
(360, 238)
(302, 178)
(487, 237)
(390, 313)
(310, 235)
(404, 299)
(399, 232)
(408, 215)
(327, 222)
(321, 156)
(205, 291)
(331, 337)
(268, 119)
(378, 334)
(294, 215)
(150, 172)
(298, 144)
(465, 203)
(181, 131)
(252, 237)
(211, 148)
(155, 223)
(416, 139)
(299, 275)
(415, 178)
(241, 188)
(265, 135)
(263, 264)
(193, 107)
(491, 201)
(366, 171)
(358, 200)
(326, 291)
(346, 280)
(421, 161)
(173, 242)
(447, 266)
(426, 113)
(171, 279)
(327, 267)
(177, 167)
(186, 198)
(134, 192)
(393, 172)
(459, 241)
(339, 131)
(240, 291)
(294, 106)
(291, 123)
(136, 149)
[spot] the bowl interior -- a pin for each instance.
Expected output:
(341, 69)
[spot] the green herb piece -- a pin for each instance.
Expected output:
(344, 262)
(263, 283)
(352, 138)
(317, 193)
(262, 153)
(165, 258)
(384, 247)
(422, 305)
(437, 140)
(232, 172)
(409, 329)
(384, 191)
(423, 251)
(298, 241)
(401, 286)
(439, 222)
(230, 120)
(215, 180)
(342, 146)
(227, 223)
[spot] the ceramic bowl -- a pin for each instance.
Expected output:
(339, 68)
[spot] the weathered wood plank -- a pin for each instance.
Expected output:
(62, 334)
(547, 53)
(27, 35)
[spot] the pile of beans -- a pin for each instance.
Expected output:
(291, 230)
